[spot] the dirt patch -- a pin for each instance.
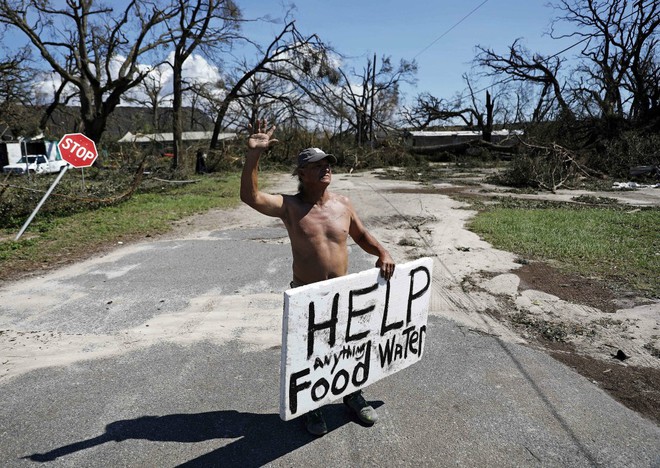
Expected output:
(569, 287)
(454, 190)
(579, 341)
(636, 388)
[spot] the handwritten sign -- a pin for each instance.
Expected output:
(343, 334)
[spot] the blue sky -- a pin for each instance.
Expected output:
(436, 33)
(413, 29)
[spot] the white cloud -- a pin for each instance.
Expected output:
(196, 70)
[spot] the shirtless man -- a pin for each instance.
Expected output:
(318, 222)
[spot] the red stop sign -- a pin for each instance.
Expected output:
(77, 150)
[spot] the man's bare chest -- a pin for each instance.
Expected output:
(331, 224)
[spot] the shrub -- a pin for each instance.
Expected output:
(100, 187)
(631, 149)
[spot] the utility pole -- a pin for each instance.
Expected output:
(373, 96)
(488, 128)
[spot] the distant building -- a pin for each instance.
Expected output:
(422, 139)
(164, 141)
(66, 119)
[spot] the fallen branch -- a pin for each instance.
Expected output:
(177, 181)
(462, 147)
(137, 180)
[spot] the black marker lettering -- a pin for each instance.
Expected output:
(363, 366)
(412, 296)
(384, 327)
(386, 351)
(356, 313)
(336, 390)
(422, 332)
(314, 327)
(320, 383)
(294, 389)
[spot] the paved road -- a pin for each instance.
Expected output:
(167, 354)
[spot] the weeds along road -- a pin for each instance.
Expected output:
(166, 353)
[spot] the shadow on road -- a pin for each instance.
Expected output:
(261, 438)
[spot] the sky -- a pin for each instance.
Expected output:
(441, 35)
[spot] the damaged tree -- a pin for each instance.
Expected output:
(429, 110)
(94, 48)
(366, 101)
(619, 78)
(606, 109)
(16, 94)
(199, 24)
(290, 57)
(521, 65)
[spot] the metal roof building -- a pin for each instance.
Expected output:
(168, 137)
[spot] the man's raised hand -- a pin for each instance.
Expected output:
(261, 137)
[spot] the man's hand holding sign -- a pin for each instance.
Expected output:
(319, 223)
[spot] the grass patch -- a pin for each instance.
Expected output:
(607, 243)
(52, 239)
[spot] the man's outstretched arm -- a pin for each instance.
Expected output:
(258, 143)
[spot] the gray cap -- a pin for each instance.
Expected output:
(311, 155)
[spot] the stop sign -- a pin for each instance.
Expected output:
(77, 150)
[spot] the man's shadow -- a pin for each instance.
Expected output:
(261, 438)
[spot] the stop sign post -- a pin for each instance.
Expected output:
(76, 149)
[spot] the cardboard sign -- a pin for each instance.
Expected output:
(343, 334)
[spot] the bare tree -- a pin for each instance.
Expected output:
(291, 57)
(16, 97)
(618, 74)
(199, 24)
(521, 65)
(149, 94)
(620, 70)
(367, 100)
(523, 103)
(92, 47)
(429, 109)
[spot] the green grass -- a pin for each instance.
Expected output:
(51, 239)
(607, 243)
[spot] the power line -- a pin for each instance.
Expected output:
(556, 54)
(449, 30)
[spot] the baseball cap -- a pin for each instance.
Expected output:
(311, 155)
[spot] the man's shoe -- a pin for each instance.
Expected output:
(315, 423)
(365, 413)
